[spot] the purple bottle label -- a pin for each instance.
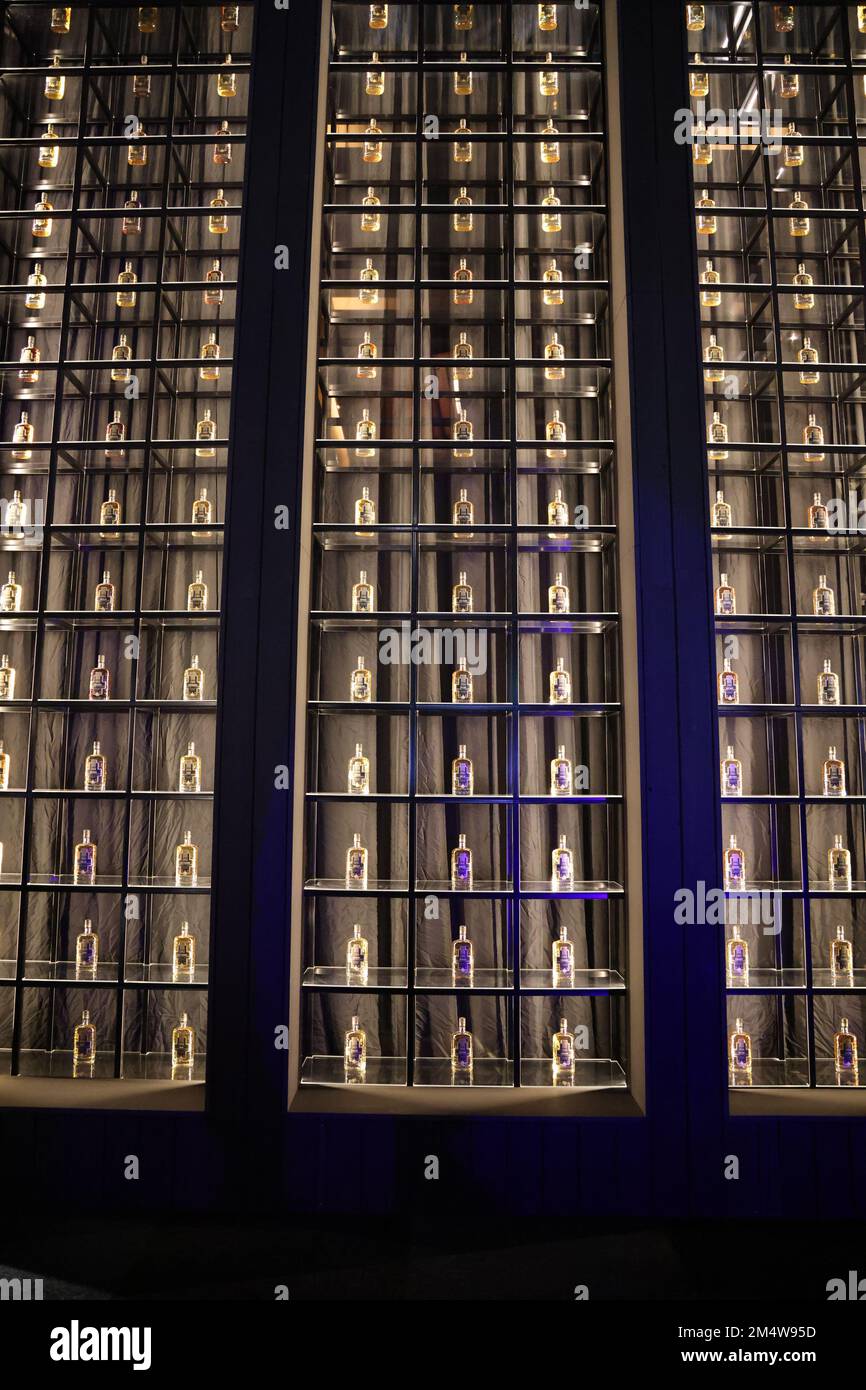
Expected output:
(462, 1051)
(461, 868)
(738, 960)
(563, 960)
(464, 958)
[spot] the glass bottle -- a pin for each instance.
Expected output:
(193, 681)
(735, 866)
(560, 684)
(29, 358)
(99, 686)
(823, 599)
(562, 1051)
(86, 949)
(136, 152)
(196, 594)
(461, 1048)
(230, 17)
(461, 595)
(547, 18)
(828, 686)
(189, 771)
(183, 1045)
(699, 80)
(186, 862)
(202, 509)
(141, 84)
(367, 354)
(363, 597)
(183, 953)
(548, 79)
(369, 291)
(120, 353)
(551, 217)
(10, 595)
(783, 18)
(722, 511)
(713, 356)
(554, 356)
(218, 222)
(813, 436)
(845, 1055)
(16, 512)
(561, 779)
(227, 81)
(461, 866)
(711, 296)
(740, 1053)
(550, 151)
(355, 1044)
(841, 959)
(462, 354)
(732, 774)
(789, 82)
(556, 433)
(61, 19)
(464, 17)
(7, 679)
(42, 225)
(115, 434)
(205, 433)
(371, 217)
(702, 151)
(34, 300)
(222, 150)
(695, 18)
(463, 219)
(729, 684)
(104, 594)
(356, 865)
(365, 433)
(561, 868)
(800, 224)
(861, 18)
(463, 512)
(126, 296)
(55, 82)
(147, 18)
(557, 510)
(839, 865)
(562, 959)
(372, 150)
(22, 434)
(463, 79)
(726, 597)
(808, 357)
(707, 222)
(84, 860)
(462, 958)
(49, 153)
(463, 433)
(210, 356)
(84, 1044)
(5, 762)
(736, 961)
(817, 518)
(462, 146)
(357, 957)
(95, 769)
(802, 282)
(558, 598)
(462, 775)
(462, 684)
(717, 438)
(375, 86)
(793, 154)
(361, 686)
(359, 773)
(463, 293)
(365, 510)
(213, 290)
(833, 774)
(553, 293)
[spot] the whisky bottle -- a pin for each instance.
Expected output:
(42, 225)
(861, 18)
(550, 153)
(783, 18)
(828, 686)
(560, 684)
(95, 769)
(372, 151)
(84, 1044)
(462, 370)
(217, 221)
(561, 868)
(357, 957)
(464, 82)
(554, 356)
(462, 958)
(84, 860)
(461, 866)
(183, 953)
(29, 357)
(808, 358)
(726, 598)
(49, 153)
(711, 295)
(717, 438)
(182, 1046)
(22, 434)
(196, 594)
(226, 80)
(547, 18)
(61, 19)
(789, 82)
(558, 597)
(793, 154)
(7, 679)
(702, 151)
(463, 512)
(695, 17)
(463, 219)
(841, 959)
(375, 79)
(463, 293)
(371, 217)
(131, 221)
(213, 289)
(86, 949)
(363, 597)
(356, 865)
(355, 1045)
(462, 146)
(548, 79)
(369, 291)
(729, 684)
(557, 511)
(359, 773)
(55, 82)
(735, 866)
(461, 684)
(16, 512)
(561, 780)
(189, 771)
(5, 763)
(740, 1053)
(464, 17)
(553, 293)
(461, 595)
(839, 865)
(365, 433)
(186, 862)
(462, 775)
(222, 150)
(556, 433)
(136, 151)
(823, 599)
(365, 510)
(699, 80)
(461, 1048)
(563, 1053)
(205, 434)
(34, 300)
(722, 512)
(817, 519)
(367, 354)
(713, 356)
(736, 961)
(202, 509)
(813, 435)
(10, 595)
(845, 1054)
(99, 686)
(833, 774)
(732, 774)
(361, 687)
(141, 84)
(193, 681)
(802, 281)
(104, 595)
(230, 17)
(562, 959)
(210, 356)
(147, 17)
(126, 297)
(121, 353)
(463, 433)
(115, 434)
(551, 217)
(707, 222)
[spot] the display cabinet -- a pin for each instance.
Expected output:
(122, 158)
(466, 904)
(779, 218)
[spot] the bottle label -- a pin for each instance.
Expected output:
(839, 867)
(841, 958)
(362, 599)
(357, 775)
(564, 1054)
(823, 601)
(84, 1042)
(738, 959)
(183, 953)
(563, 960)
(558, 514)
(732, 777)
(463, 514)
(729, 687)
(357, 956)
(182, 1048)
(87, 950)
(85, 861)
(462, 600)
(735, 865)
(559, 604)
(741, 1053)
(562, 781)
(563, 867)
(356, 864)
(462, 776)
(461, 865)
(193, 686)
(561, 687)
(94, 773)
(188, 774)
(99, 685)
(463, 686)
(4, 686)
(834, 778)
(726, 601)
(355, 1051)
(846, 1052)
(462, 1051)
(360, 686)
(185, 861)
(463, 959)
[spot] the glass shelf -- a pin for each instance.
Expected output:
(331, 1071)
